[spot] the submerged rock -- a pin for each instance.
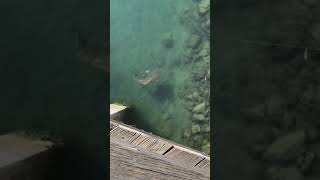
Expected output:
(199, 108)
(187, 134)
(199, 117)
(195, 129)
(286, 147)
(194, 41)
(206, 128)
(195, 95)
(206, 148)
(204, 6)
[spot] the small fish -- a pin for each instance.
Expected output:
(151, 76)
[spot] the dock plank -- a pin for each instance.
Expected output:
(155, 145)
(132, 162)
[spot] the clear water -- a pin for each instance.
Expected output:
(136, 32)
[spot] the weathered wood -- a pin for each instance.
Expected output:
(125, 138)
(117, 111)
(186, 156)
(129, 162)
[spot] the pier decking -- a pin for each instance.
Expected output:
(136, 154)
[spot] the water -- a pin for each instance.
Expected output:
(147, 35)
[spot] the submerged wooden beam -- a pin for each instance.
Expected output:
(136, 154)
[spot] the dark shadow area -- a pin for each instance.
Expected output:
(266, 90)
(134, 118)
(46, 87)
(164, 92)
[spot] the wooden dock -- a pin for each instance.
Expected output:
(135, 154)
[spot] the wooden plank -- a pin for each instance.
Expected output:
(117, 111)
(129, 162)
(155, 144)
(160, 147)
(115, 108)
(113, 125)
(184, 155)
(140, 139)
(124, 134)
(204, 164)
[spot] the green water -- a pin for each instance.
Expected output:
(137, 30)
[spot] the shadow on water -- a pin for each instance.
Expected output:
(164, 91)
(136, 118)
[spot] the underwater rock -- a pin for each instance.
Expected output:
(195, 128)
(199, 108)
(205, 50)
(187, 134)
(188, 55)
(283, 173)
(286, 147)
(193, 41)
(204, 6)
(204, 54)
(206, 25)
(206, 147)
(189, 97)
(166, 116)
(206, 128)
(198, 117)
(195, 95)
(207, 118)
(206, 112)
